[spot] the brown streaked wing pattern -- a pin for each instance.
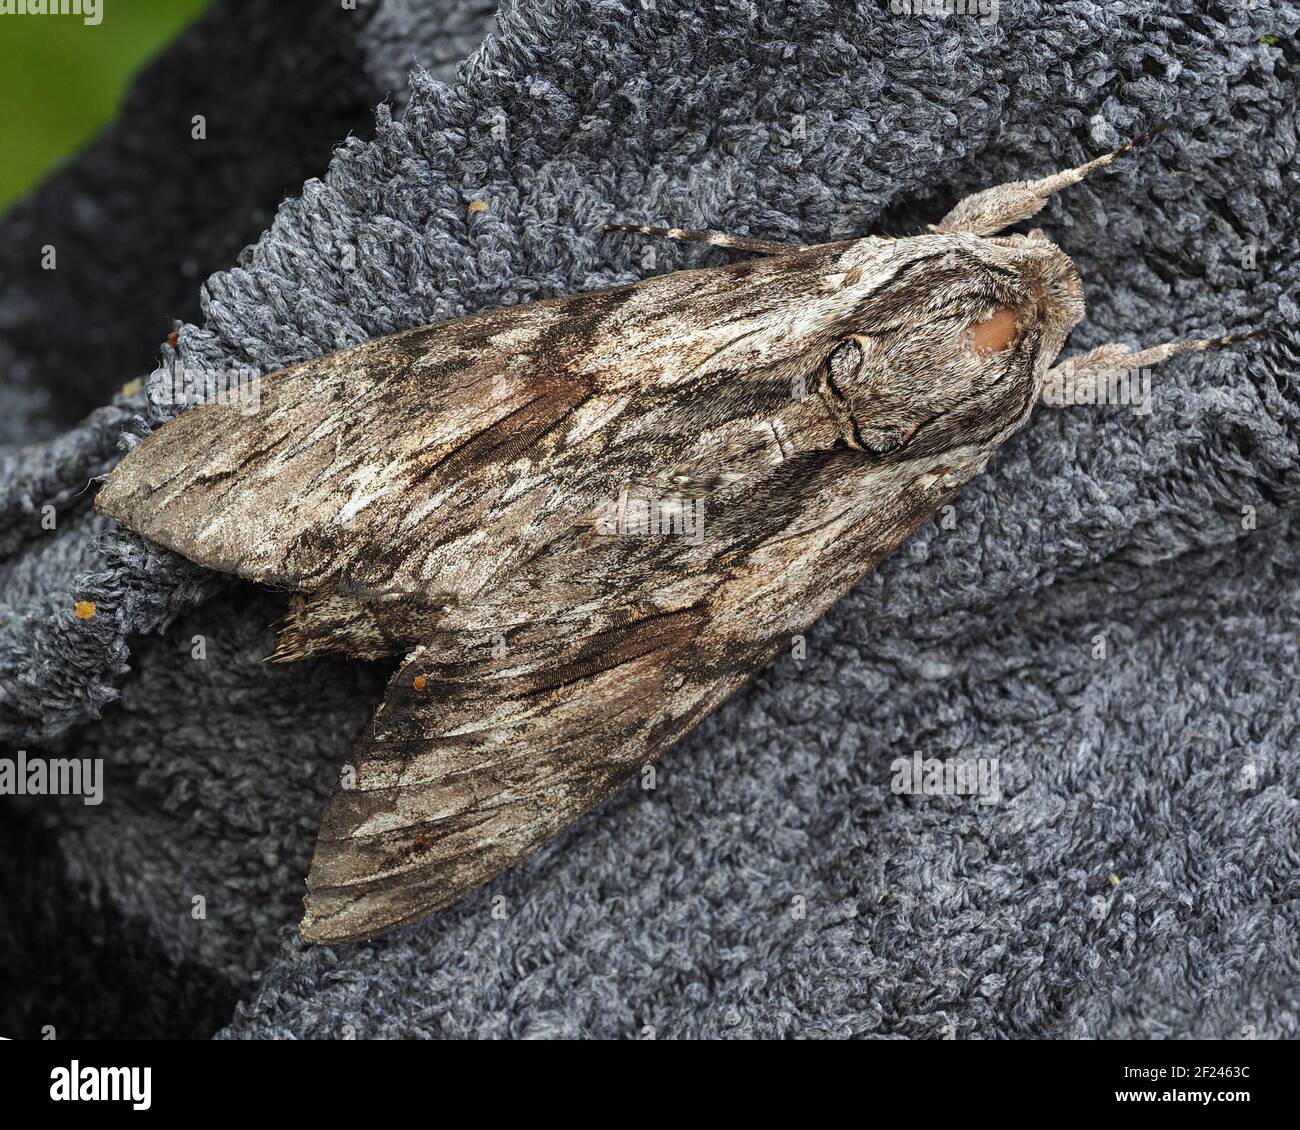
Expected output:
(485, 761)
(478, 756)
(427, 462)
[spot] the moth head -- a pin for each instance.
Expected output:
(951, 349)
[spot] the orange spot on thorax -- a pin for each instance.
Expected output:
(995, 334)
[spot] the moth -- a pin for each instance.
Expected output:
(582, 524)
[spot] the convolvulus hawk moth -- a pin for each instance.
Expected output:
(471, 496)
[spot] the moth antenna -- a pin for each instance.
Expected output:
(993, 209)
(1141, 139)
(715, 238)
(1153, 355)
(1064, 382)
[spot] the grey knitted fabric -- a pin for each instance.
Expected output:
(1109, 611)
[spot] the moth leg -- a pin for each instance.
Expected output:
(989, 211)
(1074, 381)
(716, 238)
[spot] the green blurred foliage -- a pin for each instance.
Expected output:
(62, 81)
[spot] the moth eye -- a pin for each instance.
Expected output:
(845, 360)
(995, 333)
